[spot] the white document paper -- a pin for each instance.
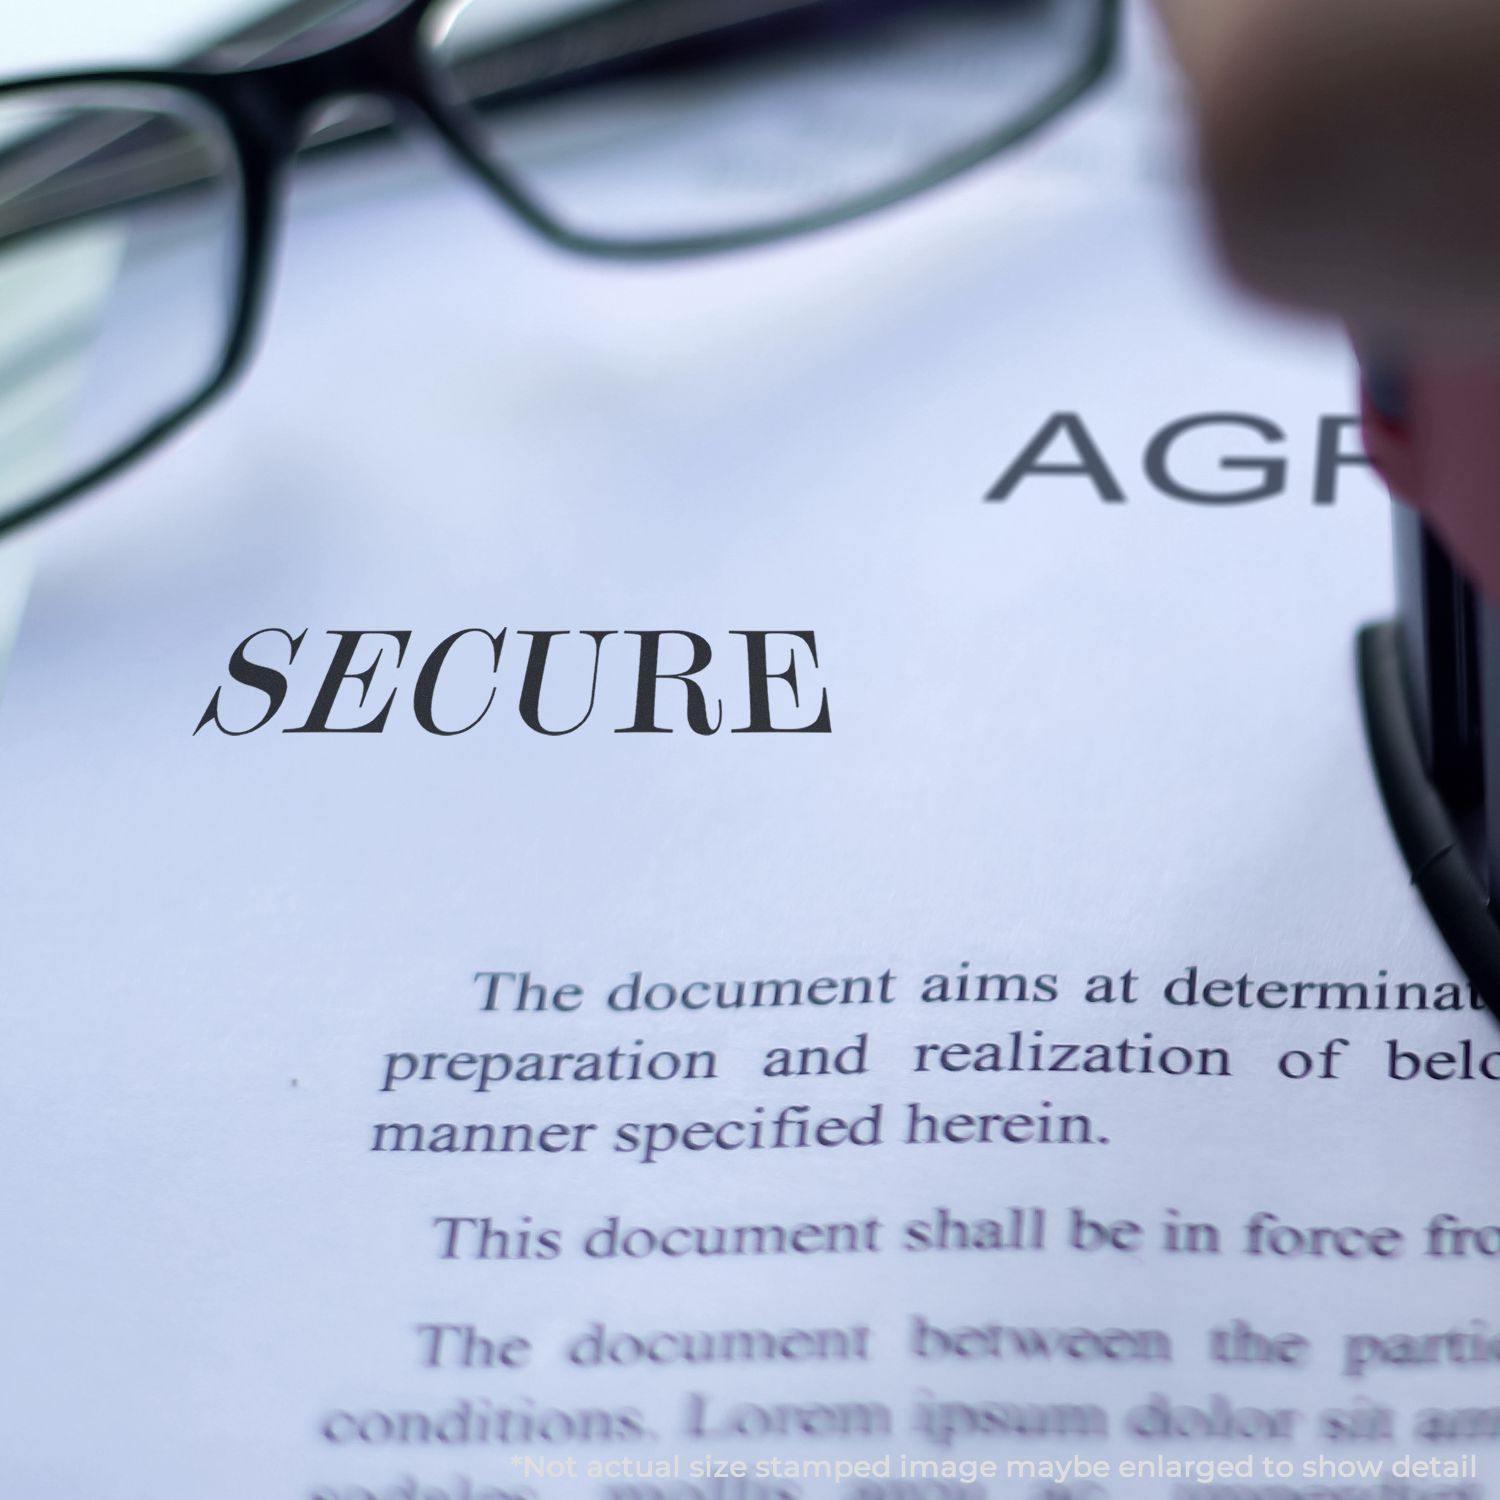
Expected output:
(261, 1235)
(15, 576)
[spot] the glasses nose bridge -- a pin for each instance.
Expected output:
(283, 98)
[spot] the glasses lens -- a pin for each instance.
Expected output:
(657, 120)
(120, 233)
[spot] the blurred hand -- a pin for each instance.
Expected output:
(1351, 156)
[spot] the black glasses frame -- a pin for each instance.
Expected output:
(266, 110)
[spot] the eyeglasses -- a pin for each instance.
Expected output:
(138, 208)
